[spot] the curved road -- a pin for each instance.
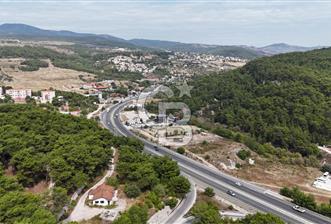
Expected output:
(248, 193)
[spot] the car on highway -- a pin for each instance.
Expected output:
(299, 209)
(156, 148)
(231, 193)
(238, 184)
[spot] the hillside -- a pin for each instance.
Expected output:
(227, 51)
(285, 48)
(284, 100)
(23, 31)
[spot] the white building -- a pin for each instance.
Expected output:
(19, 94)
(47, 96)
(103, 195)
(1, 91)
(323, 182)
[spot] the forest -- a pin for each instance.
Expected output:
(39, 144)
(17, 206)
(154, 181)
(43, 145)
(283, 100)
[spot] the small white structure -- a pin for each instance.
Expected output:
(323, 182)
(234, 215)
(251, 161)
(103, 195)
(19, 94)
(1, 91)
(47, 96)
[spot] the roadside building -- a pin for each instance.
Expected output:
(19, 94)
(103, 195)
(47, 96)
(323, 182)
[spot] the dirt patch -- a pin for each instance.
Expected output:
(266, 172)
(38, 188)
(9, 171)
(44, 78)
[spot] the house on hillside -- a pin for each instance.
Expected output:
(19, 95)
(47, 96)
(103, 195)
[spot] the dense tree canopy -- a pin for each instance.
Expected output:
(143, 172)
(41, 144)
(284, 100)
(17, 206)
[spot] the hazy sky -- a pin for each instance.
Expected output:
(247, 22)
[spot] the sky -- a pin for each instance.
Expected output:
(241, 22)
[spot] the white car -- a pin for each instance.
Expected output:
(299, 209)
(231, 193)
(238, 184)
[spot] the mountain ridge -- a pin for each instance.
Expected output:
(19, 30)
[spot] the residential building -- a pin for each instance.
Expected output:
(47, 96)
(103, 195)
(19, 94)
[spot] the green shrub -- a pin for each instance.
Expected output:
(132, 190)
(160, 190)
(209, 192)
(243, 154)
(171, 202)
(181, 150)
(113, 181)
(326, 168)
(300, 198)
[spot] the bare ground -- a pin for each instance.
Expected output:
(44, 78)
(269, 173)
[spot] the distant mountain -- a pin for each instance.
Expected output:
(281, 48)
(23, 31)
(231, 51)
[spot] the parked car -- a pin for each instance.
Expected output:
(231, 193)
(299, 209)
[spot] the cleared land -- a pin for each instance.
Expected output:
(44, 78)
(267, 172)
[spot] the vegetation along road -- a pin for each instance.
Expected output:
(247, 193)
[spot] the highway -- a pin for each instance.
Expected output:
(247, 193)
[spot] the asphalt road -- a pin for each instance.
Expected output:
(248, 193)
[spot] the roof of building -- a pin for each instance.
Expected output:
(102, 191)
